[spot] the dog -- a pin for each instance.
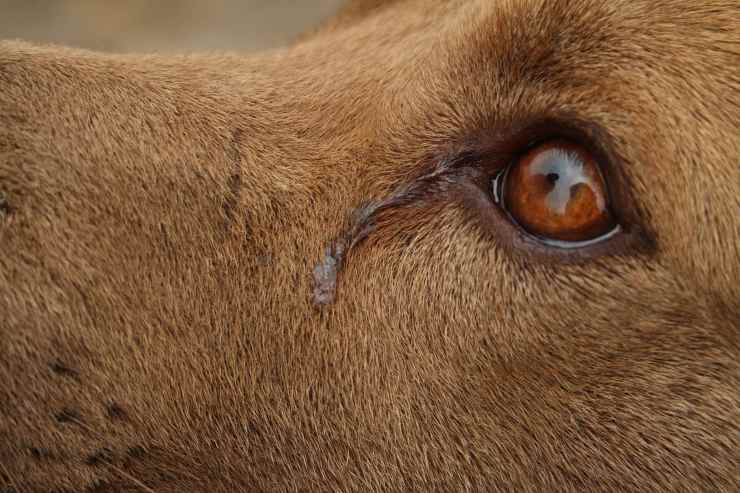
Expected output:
(431, 246)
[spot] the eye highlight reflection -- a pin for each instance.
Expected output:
(557, 193)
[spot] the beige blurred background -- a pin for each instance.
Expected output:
(162, 25)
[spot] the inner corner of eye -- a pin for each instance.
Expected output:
(497, 183)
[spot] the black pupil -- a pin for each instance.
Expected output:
(552, 177)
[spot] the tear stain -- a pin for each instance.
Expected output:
(326, 273)
(100, 457)
(362, 224)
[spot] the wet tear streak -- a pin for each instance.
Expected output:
(325, 274)
(362, 224)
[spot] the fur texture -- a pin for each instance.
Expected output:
(162, 219)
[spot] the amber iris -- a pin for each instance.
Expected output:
(556, 191)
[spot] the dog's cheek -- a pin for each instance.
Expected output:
(596, 357)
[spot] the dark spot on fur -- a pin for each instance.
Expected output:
(68, 415)
(40, 453)
(136, 452)
(100, 457)
(115, 411)
(58, 367)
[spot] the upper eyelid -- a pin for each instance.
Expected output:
(464, 170)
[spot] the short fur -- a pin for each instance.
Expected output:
(162, 218)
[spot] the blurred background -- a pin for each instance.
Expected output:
(168, 26)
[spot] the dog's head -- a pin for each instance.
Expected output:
(442, 244)
(609, 357)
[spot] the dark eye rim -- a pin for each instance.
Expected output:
(497, 190)
(492, 155)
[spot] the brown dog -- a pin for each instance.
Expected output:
(350, 265)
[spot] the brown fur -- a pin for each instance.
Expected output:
(161, 220)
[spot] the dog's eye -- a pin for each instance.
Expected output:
(557, 193)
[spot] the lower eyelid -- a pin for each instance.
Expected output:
(478, 200)
(582, 244)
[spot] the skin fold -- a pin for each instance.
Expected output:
(285, 272)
